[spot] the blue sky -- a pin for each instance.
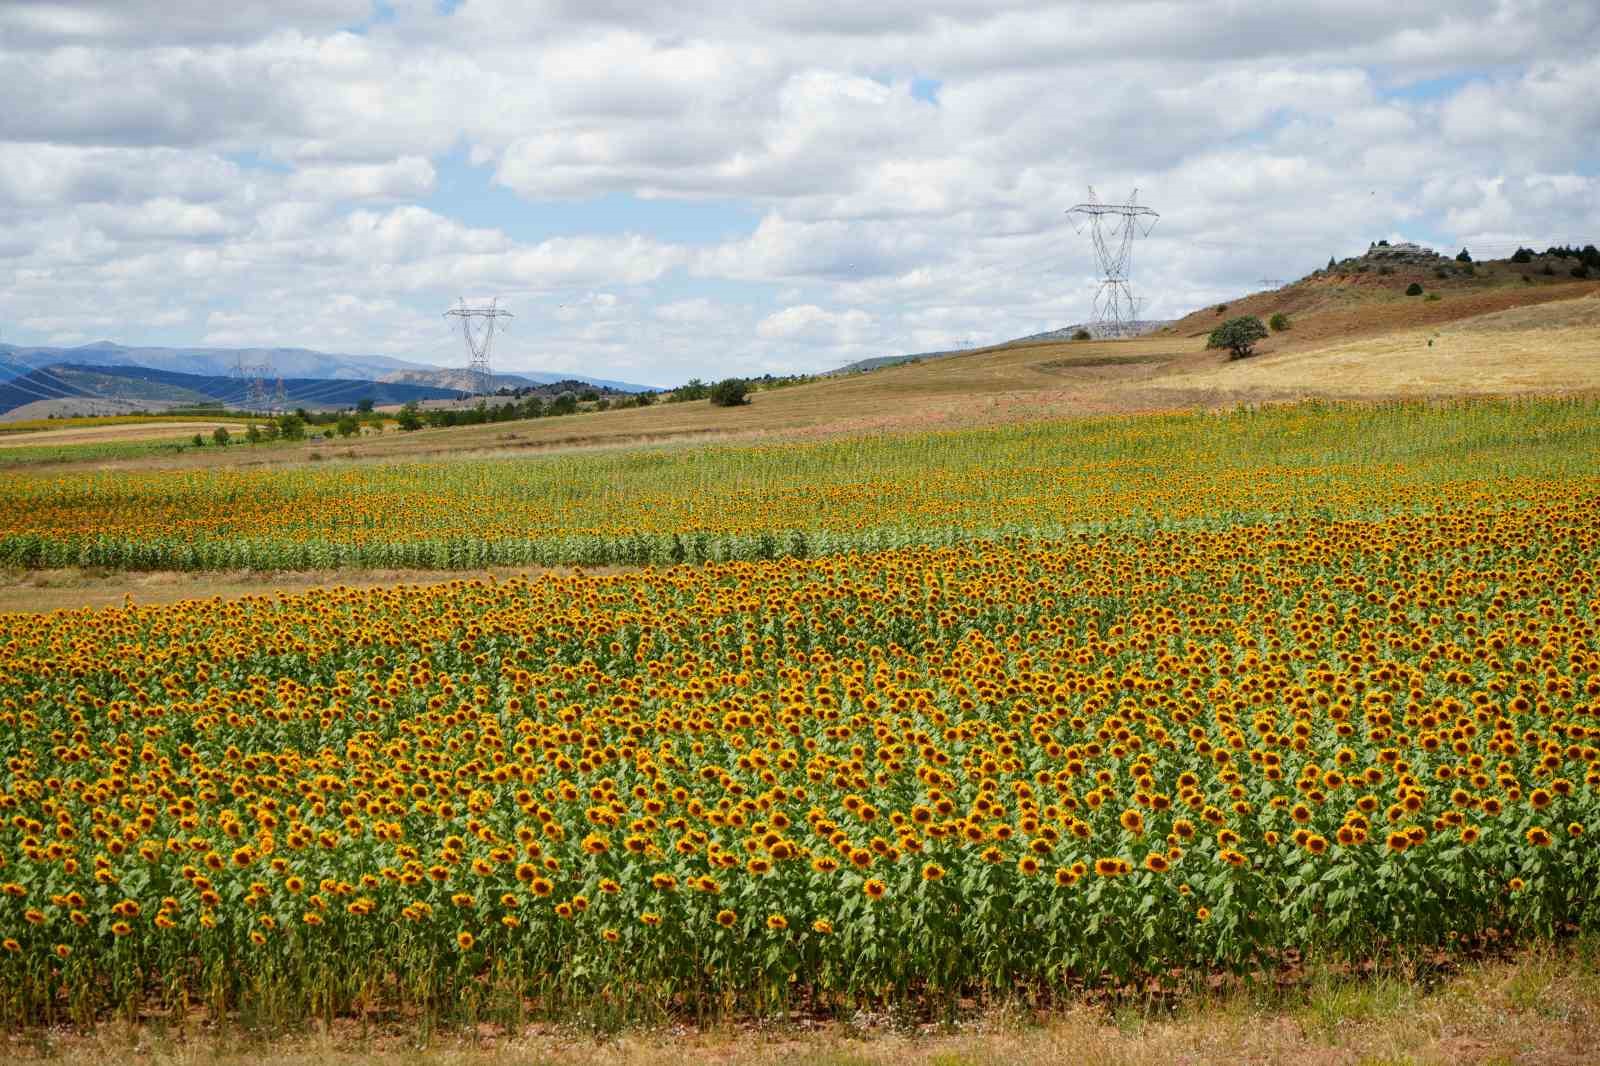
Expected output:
(670, 191)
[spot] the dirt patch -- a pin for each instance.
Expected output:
(35, 591)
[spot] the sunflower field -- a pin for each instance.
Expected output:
(1011, 765)
(674, 504)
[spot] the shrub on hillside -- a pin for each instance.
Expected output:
(220, 436)
(1238, 335)
(693, 389)
(1279, 322)
(1463, 256)
(1414, 289)
(730, 392)
(1080, 334)
(1580, 271)
(1522, 255)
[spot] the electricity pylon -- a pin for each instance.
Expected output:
(479, 338)
(1116, 312)
(257, 396)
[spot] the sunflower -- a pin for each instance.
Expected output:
(777, 922)
(932, 872)
(874, 889)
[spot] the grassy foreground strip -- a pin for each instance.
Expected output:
(1542, 1007)
(674, 505)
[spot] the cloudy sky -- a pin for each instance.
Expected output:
(697, 188)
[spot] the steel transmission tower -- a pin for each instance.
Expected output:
(1113, 227)
(257, 395)
(477, 328)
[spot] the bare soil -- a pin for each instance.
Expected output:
(1541, 1009)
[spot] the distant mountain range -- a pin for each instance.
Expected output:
(158, 389)
(300, 363)
(68, 388)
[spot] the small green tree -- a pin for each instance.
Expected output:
(693, 389)
(1238, 335)
(252, 433)
(364, 405)
(1080, 334)
(1463, 256)
(1414, 289)
(220, 436)
(645, 399)
(408, 419)
(198, 441)
(730, 392)
(565, 404)
(347, 426)
(1279, 322)
(292, 427)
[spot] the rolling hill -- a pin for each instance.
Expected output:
(1353, 334)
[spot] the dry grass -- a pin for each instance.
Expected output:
(120, 432)
(1360, 339)
(1464, 362)
(1543, 1008)
(1562, 314)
